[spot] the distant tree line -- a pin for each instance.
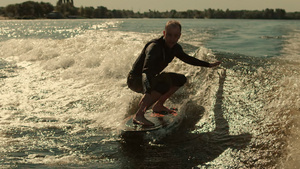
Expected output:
(27, 9)
(32, 9)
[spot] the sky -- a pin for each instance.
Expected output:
(179, 5)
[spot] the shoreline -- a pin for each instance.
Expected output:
(4, 18)
(11, 18)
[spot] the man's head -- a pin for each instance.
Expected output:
(172, 33)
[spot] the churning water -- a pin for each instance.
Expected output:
(63, 95)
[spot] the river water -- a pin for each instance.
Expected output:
(64, 95)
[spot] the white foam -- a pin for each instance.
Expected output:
(288, 98)
(291, 47)
(91, 67)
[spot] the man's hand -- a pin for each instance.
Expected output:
(215, 64)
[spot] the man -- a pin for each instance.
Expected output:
(147, 77)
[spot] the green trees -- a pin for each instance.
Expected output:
(2, 11)
(228, 14)
(66, 8)
(28, 9)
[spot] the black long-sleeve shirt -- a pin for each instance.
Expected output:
(156, 56)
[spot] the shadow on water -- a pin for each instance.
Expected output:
(184, 149)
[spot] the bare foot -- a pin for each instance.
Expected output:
(161, 108)
(141, 120)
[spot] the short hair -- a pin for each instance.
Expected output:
(173, 23)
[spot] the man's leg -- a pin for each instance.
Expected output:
(147, 101)
(175, 81)
(159, 105)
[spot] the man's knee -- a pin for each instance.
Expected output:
(181, 80)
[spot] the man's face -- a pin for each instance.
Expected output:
(172, 35)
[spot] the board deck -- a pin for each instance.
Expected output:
(160, 121)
